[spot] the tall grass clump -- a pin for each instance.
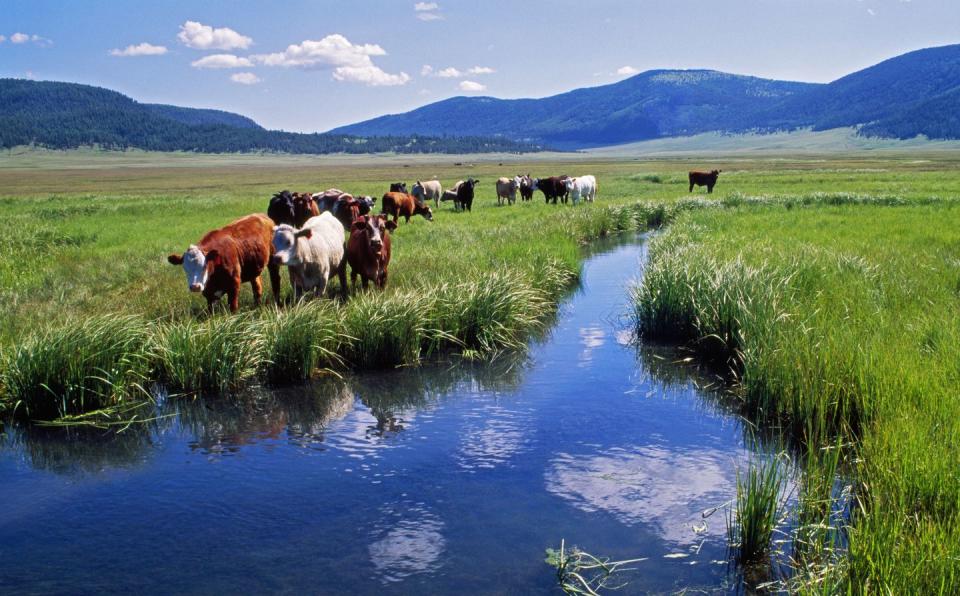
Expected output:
(80, 366)
(219, 354)
(757, 510)
(495, 312)
(384, 330)
(300, 340)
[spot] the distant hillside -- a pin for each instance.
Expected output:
(66, 116)
(199, 116)
(905, 96)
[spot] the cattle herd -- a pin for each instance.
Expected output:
(305, 232)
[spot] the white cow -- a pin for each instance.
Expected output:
(428, 190)
(582, 187)
(507, 189)
(314, 253)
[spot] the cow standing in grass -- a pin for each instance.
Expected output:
(304, 207)
(465, 193)
(553, 188)
(313, 253)
(368, 250)
(427, 191)
(507, 189)
(280, 209)
(708, 179)
(398, 203)
(526, 187)
(584, 187)
(226, 258)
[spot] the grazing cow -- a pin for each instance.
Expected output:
(507, 189)
(228, 257)
(280, 209)
(398, 187)
(398, 203)
(313, 253)
(581, 186)
(304, 208)
(368, 250)
(708, 179)
(553, 188)
(526, 187)
(465, 193)
(428, 190)
(450, 195)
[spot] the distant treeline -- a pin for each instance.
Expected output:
(67, 116)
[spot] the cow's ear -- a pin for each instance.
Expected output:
(175, 259)
(391, 225)
(305, 233)
(212, 257)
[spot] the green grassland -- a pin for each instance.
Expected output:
(828, 285)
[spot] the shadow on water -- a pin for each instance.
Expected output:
(449, 477)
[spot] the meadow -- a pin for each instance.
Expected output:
(826, 286)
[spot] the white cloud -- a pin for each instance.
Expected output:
(429, 16)
(29, 74)
(427, 11)
(3, 38)
(481, 70)
(19, 38)
(245, 78)
(471, 86)
(350, 62)
(871, 12)
(627, 70)
(222, 61)
(426, 71)
(204, 37)
(141, 49)
(449, 73)
(422, 6)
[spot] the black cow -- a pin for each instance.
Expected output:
(526, 187)
(708, 179)
(399, 187)
(281, 208)
(465, 194)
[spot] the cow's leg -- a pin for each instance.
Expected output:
(257, 286)
(709, 189)
(353, 277)
(691, 187)
(233, 297)
(383, 279)
(365, 280)
(274, 281)
(342, 278)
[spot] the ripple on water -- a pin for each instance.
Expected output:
(492, 436)
(407, 540)
(648, 485)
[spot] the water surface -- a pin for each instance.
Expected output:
(440, 479)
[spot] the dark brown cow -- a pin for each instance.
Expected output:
(398, 187)
(368, 250)
(553, 188)
(708, 179)
(230, 256)
(526, 188)
(399, 203)
(304, 207)
(465, 193)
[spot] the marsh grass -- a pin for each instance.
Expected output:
(300, 340)
(757, 510)
(384, 331)
(579, 572)
(220, 354)
(85, 365)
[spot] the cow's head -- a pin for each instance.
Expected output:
(376, 230)
(198, 266)
(516, 181)
(716, 172)
(365, 204)
(398, 187)
(568, 183)
(422, 209)
(285, 239)
(417, 190)
(535, 184)
(303, 208)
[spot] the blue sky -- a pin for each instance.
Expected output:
(310, 65)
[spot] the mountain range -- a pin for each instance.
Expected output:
(917, 93)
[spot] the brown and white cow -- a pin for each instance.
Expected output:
(399, 203)
(368, 250)
(304, 207)
(708, 179)
(230, 256)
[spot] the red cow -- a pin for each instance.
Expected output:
(399, 203)
(368, 249)
(304, 208)
(230, 256)
(708, 179)
(553, 188)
